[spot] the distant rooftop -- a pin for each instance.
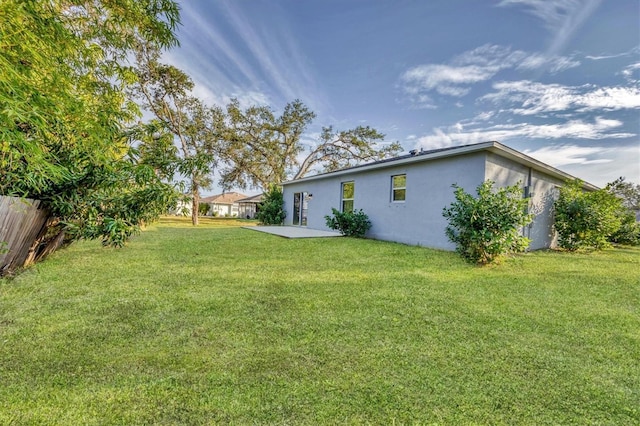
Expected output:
(224, 198)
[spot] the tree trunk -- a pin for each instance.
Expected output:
(195, 203)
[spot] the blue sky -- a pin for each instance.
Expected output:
(556, 79)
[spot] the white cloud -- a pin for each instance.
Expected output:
(563, 155)
(443, 77)
(537, 98)
(632, 72)
(554, 64)
(597, 164)
(475, 66)
(233, 53)
(461, 134)
(561, 17)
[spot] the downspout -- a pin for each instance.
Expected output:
(526, 230)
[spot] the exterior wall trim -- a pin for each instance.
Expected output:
(491, 146)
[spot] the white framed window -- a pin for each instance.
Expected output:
(348, 192)
(398, 188)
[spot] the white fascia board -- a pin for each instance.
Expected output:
(393, 163)
(519, 157)
(492, 146)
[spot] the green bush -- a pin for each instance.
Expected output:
(203, 209)
(271, 210)
(629, 231)
(350, 224)
(586, 219)
(629, 194)
(488, 227)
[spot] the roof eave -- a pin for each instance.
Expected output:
(408, 160)
(491, 146)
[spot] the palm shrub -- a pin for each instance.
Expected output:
(271, 210)
(486, 227)
(586, 219)
(350, 224)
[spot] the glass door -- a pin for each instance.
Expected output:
(300, 208)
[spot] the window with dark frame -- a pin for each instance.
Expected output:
(348, 191)
(399, 188)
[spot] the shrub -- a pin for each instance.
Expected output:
(203, 209)
(586, 219)
(629, 231)
(629, 194)
(271, 210)
(487, 227)
(350, 224)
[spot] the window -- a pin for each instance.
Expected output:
(398, 188)
(348, 190)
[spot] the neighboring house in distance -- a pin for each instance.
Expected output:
(248, 207)
(404, 196)
(183, 208)
(225, 204)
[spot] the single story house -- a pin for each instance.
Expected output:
(248, 207)
(225, 204)
(404, 196)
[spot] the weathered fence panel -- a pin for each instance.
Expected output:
(21, 222)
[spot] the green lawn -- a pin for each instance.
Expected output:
(222, 325)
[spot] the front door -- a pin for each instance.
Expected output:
(300, 208)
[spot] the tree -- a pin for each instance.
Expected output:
(629, 193)
(585, 219)
(341, 149)
(488, 226)
(262, 146)
(166, 92)
(63, 109)
(265, 149)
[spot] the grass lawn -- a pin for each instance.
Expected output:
(223, 325)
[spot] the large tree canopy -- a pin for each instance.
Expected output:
(63, 108)
(265, 149)
(166, 92)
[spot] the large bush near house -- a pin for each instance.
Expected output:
(271, 211)
(586, 219)
(486, 227)
(350, 224)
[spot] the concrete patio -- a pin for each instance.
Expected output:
(294, 231)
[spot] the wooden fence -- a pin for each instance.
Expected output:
(21, 222)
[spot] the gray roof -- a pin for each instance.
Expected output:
(252, 199)
(420, 155)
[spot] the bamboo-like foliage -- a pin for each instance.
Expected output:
(63, 108)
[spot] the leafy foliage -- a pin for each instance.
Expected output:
(351, 224)
(629, 231)
(629, 193)
(488, 226)
(341, 149)
(166, 92)
(204, 208)
(586, 219)
(264, 149)
(262, 146)
(63, 108)
(271, 210)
